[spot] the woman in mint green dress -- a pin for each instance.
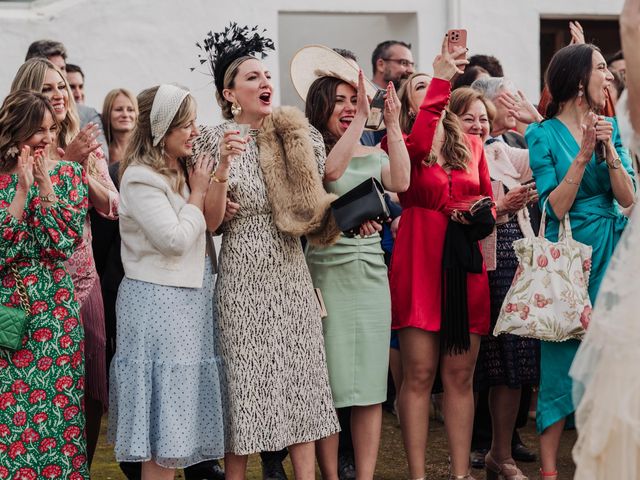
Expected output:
(570, 178)
(351, 274)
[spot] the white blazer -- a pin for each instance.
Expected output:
(163, 237)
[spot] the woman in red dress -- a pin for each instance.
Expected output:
(447, 166)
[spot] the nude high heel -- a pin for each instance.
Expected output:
(461, 477)
(502, 471)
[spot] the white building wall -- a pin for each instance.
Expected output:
(139, 43)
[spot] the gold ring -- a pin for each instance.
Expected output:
(228, 145)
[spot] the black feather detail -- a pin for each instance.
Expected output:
(220, 49)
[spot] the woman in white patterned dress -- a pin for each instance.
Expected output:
(275, 387)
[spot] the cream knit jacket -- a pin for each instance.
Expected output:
(163, 237)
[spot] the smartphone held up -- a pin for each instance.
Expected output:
(457, 37)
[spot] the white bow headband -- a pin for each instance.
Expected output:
(165, 106)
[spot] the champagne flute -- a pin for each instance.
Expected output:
(244, 129)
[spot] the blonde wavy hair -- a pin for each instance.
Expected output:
(30, 76)
(107, 108)
(141, 150)
(454, 149)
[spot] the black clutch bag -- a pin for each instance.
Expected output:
(471, 207)
(360, 204)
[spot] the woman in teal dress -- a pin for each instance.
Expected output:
(351, 274)
(570, 178)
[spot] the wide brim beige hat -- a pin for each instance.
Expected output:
(315, 61)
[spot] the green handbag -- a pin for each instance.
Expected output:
(13, 321)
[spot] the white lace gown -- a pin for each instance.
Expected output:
(605, 369)
(274, 381)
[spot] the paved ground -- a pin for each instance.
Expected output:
(391, 461)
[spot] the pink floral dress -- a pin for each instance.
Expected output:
(86, 282)
(42, 383)
(81, 265)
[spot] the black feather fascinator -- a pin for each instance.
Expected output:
(220, 49)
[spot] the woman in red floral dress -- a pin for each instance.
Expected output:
(41, 383)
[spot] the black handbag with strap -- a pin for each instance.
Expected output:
(360, 204)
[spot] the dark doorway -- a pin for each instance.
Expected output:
(554, 34)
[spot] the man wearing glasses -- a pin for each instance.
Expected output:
(391, 61)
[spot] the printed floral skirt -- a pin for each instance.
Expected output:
(42, 383)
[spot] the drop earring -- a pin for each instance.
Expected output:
(236, 109)
(162, 152)
(580, 95)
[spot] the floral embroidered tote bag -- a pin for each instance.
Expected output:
(548, 298)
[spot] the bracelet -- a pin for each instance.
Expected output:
(49, 197)
(218, 180)
(571, 181)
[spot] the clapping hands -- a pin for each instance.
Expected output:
(391, 107)
(588, 143)
(519, 107)
(362, 102)
(83, 144)
(40, 167)
(25, 169)
(577, 33)
(200, 174)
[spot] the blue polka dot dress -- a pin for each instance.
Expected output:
(165, 393)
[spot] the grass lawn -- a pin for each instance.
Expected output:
(391, 460)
